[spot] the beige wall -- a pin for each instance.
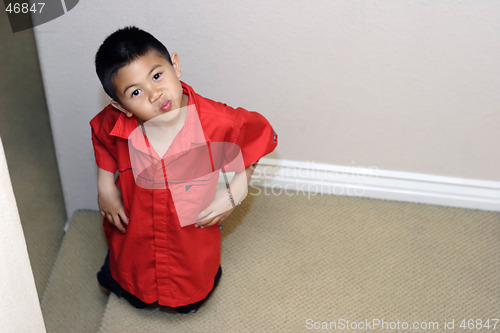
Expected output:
(400, 85)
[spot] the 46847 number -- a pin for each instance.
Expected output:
(478, 324)
(24, 8)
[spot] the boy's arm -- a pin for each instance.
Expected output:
(110, 200)
(221, 207)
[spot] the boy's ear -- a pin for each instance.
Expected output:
(176, 64)
(117, 106)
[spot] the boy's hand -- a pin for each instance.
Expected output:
(221, 207)
(217, 211)
(110, 200)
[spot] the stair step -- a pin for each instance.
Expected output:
(72, 301)
(120, 316)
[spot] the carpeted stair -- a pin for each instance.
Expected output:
(72, 301)
(290, 262)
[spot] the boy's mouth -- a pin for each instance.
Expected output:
(166, 106)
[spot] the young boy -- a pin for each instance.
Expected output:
(159, 252)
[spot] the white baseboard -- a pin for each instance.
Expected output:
(285, 177)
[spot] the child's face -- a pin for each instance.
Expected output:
(149, 86)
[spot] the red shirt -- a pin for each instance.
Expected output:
(157, 259)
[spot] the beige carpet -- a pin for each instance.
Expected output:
(72, 301)
(287, 260)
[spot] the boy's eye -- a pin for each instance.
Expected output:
(156, 76)
(136, 92)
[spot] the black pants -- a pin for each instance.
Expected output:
(106, 280)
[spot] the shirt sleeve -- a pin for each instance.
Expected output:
(256, 138)
(104, 145)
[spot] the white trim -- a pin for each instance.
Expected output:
(279, 176)
(64, 6)
(66, 225)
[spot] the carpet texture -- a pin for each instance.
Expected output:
(290, 263)
(72, 301)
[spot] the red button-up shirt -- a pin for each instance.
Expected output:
(157, 259)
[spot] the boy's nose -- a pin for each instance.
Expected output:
(154, 97)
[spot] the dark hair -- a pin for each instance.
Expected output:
(121, 48)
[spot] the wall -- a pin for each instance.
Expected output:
(19, 307)
(401, 85)
(29, 149)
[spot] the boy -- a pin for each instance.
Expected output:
(159, 252)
